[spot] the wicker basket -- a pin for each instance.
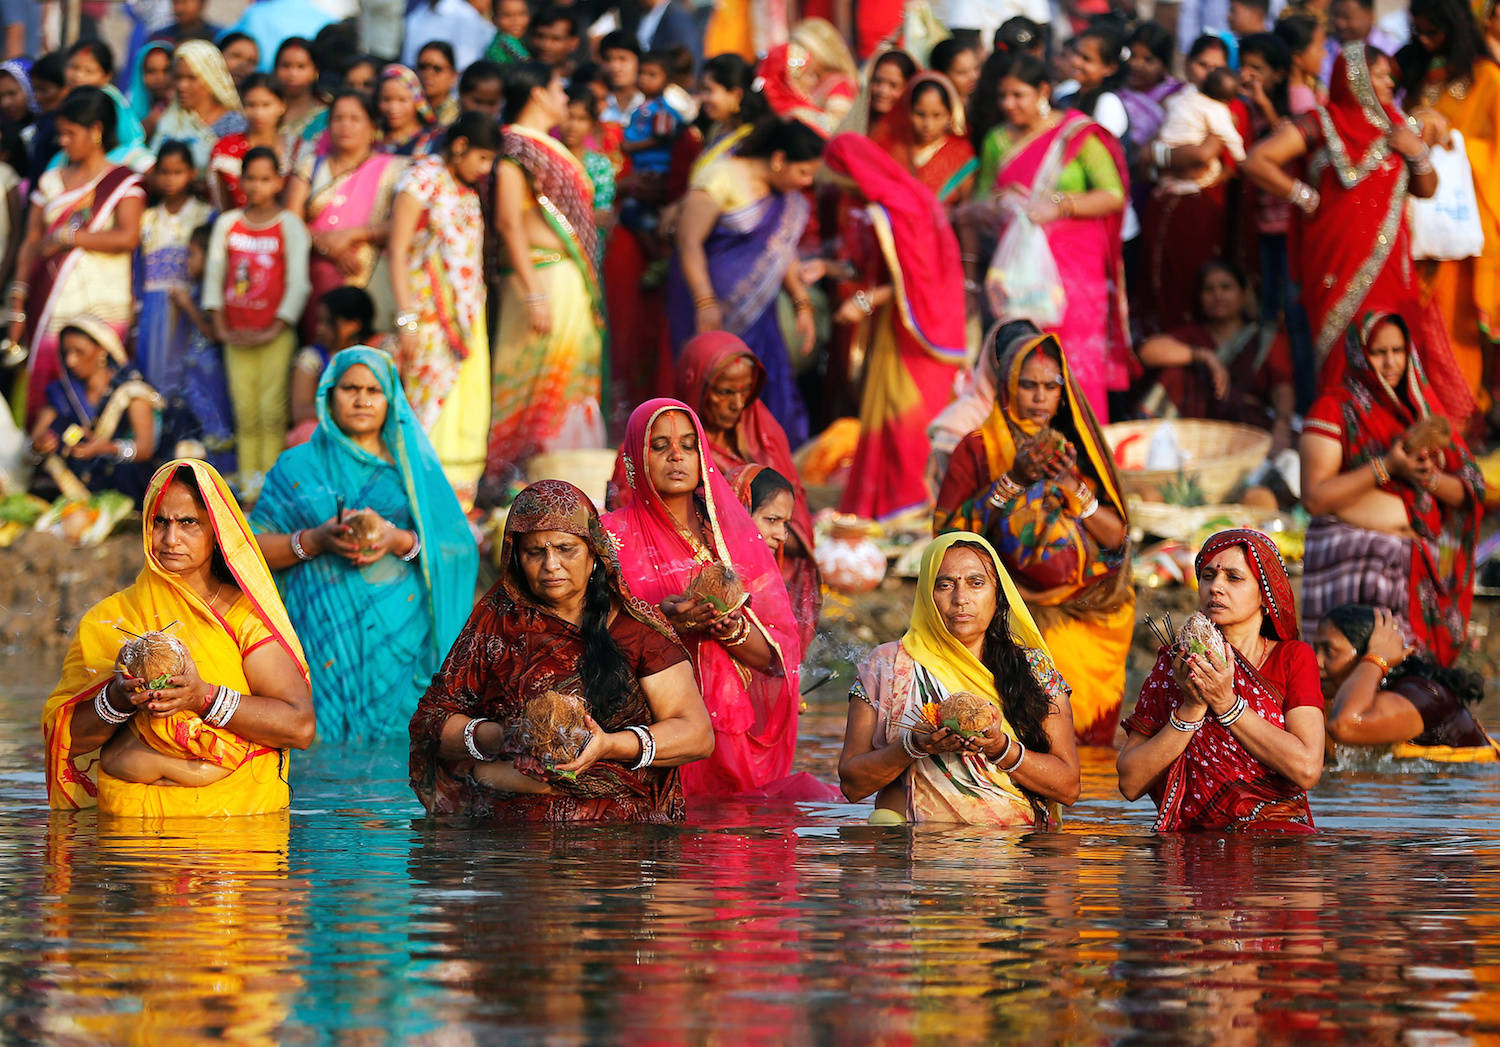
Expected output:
(589, 470)
(1183, 523)
(1218, 455)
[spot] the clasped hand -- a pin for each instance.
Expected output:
(1206, 681)
(1034, 462)
(184, 692)
(334, 536)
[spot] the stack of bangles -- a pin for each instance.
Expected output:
(803, 304)
(536, 299)
(1088, 503)
(648, 746)
(108, 713)
(1064, 204)
(18, 293)
(1186, 726)
(225, 704)
(1009, 743)
(1227, 719)
(1421, 164)
(909, 747)
(1381, 471)
(1004, 490)
(737, 635)
(705, 301)
(1304, 197)
(1379, 663)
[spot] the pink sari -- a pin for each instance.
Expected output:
(754, 714)
(1095, 329)
(355, 200)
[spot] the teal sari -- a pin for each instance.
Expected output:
(375, 635)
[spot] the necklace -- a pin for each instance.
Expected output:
(215, 597)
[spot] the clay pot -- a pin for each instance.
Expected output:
(850, 560)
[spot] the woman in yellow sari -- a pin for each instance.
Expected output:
(970, 632)
(211, 739)
(1037, 479)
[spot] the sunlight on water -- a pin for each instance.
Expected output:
(352, 922)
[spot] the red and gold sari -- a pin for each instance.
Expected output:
(946, 165)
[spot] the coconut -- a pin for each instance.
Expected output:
(965, 714)
(365, 527)
(154, 657)
(553, 727)
(1199, 635)
(1432, 433)
(718, 586)
(1049, 441)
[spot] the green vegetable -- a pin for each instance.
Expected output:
(21, 508)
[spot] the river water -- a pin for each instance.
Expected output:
(353, 922)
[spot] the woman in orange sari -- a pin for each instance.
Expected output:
(925, 133)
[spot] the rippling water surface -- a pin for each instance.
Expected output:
(353, 922)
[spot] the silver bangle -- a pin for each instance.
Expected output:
(910, 748)
(1186, 726)
(1088, 504)
(1303, 197)
(862, 300)
(407, 320)
(469, 744)
(125, 450)
(416, 547)
(297, 550)
(225, 704)
(1421, 163)
(108, 713)
(1235, 712)
(1019, 757)
(648, 746)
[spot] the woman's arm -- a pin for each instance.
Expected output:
(682, 731)
(277, 712)
(1295, 752)
(304, 395)
(405, 216)
(700, 213)
(864, 769)
(1145, 758)
(1363, 714)
(15, 207)
(1263, 164)
(124, 237)
(295, 196)
(1327, 490)
(1053, 774)
(25, 261)
(142, 429)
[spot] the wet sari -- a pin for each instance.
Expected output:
(1080, 595)
(219, 643)
(1365, 415)
(917, 339)
(1216, 784)
(514, 649)
(754, 713)
(375, 634)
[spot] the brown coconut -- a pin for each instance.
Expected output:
(965, 714)
(1433, 433)
(553, 727)
(1049, 441)
(154, 657)
(717, 585)
(365, 527)
(1199, 635)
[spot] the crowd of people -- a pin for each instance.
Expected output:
(318, 294)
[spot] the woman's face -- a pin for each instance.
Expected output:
(84, 70)
(82, 356)
(556, 566)
(1090, 64)
(191, 94)
(358, 403)
(361, 77)
(469, 165)
(12, 100)
(350, 128)
(554, 100)
(1387, 354)
(1039, 389)
(295, 71)
(672, 462)
(436, 73)
(1383, 80)
(263, 109)
(1020, 103)
(771, 518)
(1228, 592)
(964, 72)
(1256, 70)
(966, 595)
(1310, 59)
(79, 142)
(789, 176)
(728, 394)
(719, 104)
(1197, 68)
(886, 85)
(182, 538)
(156, 73)
(1222, 296)
(242, 57)
(397, 107)
(931, 119)
(1143, 70)
(1336, 657)
(1433, 40)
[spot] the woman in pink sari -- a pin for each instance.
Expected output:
(679, 514)
(1069, 176)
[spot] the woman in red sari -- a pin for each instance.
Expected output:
(679, 514)
(911, 312)
(559, 618)
(721, 378)
(1230, 740)
(925, 133)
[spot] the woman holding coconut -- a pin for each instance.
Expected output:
(1006, 759)
(211, 738)
(1227, 733)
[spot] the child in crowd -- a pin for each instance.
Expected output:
(481, 88)
(1194, 113)
(649, 137)
(579, 132)
(254, 289)
(264, 110)
(161, 267)
(620, 60)
(49, 82)
(512, 19)
(344, 317)
(204, 383)
(1248, 16)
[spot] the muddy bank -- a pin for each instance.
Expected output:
(47, 584)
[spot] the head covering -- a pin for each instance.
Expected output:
(743, 480)
(103, 335)
(942, 166)
(19, 70)
(1362, 124)
(1277, 603)
(208, 65)
(140, 98)
(782, 94)
(821, 40)
(917, 241)
(413, 84)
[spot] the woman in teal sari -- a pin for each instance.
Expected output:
(376, 609)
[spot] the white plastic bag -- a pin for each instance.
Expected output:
(1445, 226)
(1023, 282)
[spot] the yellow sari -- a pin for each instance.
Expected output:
(218, 644)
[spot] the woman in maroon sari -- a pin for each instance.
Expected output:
(1245, 740)
(721, 378)
(559, 619)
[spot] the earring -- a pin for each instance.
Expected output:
(1045, 108)
(776, 166)
(98, 138)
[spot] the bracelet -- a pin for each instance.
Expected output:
(1421, 163)
(67, 236)
(1185, 726)
(1003, 753)
(802, 305)
(910, 747)
(125, 450)
(1430, 485)
(1019, 757)
(703, 301)
(1088, 504)
(416, 547)
(1004, 490)
(18, 289)
(1382, 473)
(648, 746)
(1161, 154)
(1064, 204)
(16, 316)
(225, 704)
(407, 320)
(1303, 197)
(536, 299)
(863, 301)
(1377, 661)
(469, 743)
(1235, 712)
(740, 635)
(297, 550)
(107, 712)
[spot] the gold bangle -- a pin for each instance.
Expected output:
(1377, 661)
(802, 305)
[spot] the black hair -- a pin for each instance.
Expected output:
(733, 73)
(799, 142)
(366, 103)
(1297, 32)
(218, 566)
(1019, 34)
(1463, 43)
(98, 51)
(660, 59)
(521, 79)
(359, 60)
(1155, 38)
(1004, 335)
(583, 94)
(1207, 42)
(768, 483)
(12, 149)
(262, 152)
(229, 39)
(351, 303)
(984, 103)
(1111, 49)
(1259, 5)
(478, 129)
(946, 52)
(202, 235)
(930, 87)
(1221, 265)
(1274, 52)
(477, 72)
(1029, 69)
(178, 148)
(619, 40)
(590, 73)
(553, 15)
(1221, 84)
(86, 106)
(50, 68)
(1368, 5)
(603, 670)
(261, 82)
(294, 42)
(442, 47)
(1357, 622)
(903, 61)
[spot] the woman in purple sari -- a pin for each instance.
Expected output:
(737, 239)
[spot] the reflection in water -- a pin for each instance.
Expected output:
(353, 922)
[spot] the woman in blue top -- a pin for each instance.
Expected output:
(375, 614)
